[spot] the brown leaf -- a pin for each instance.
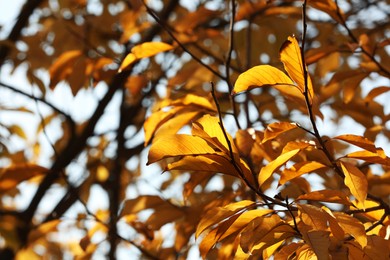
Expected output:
(63, 66)
(11, 176)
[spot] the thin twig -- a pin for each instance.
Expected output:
(166, 28)
(228, 61)
(234, 163)
(353, 37)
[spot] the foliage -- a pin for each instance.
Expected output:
(266, 117)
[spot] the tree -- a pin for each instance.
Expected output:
(267, 119)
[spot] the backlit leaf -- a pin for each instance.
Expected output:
(378, 157)
(141, 203)
(290, 55)
(352, 226)
(259, 76)
(313, 216)
(11, 176)
(376, 92)
(319, 241)
(144, 50)
(63, 66)
(176, 145)
(355, 180)
(273, 130)
(299, 169)
(267, 171)
(359, 141)
(331, 196)
(214, 216)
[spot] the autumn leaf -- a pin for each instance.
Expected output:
(273, 130)
(299, 169)
(352, 226)
(319, 242)
(11, 176)
(267, 171)
(213, 216)
(259, 76)
(355, 180)
(144, 50)
(359, 141)
(290, 55)
(63, 66)
(315, 218)
(331, 196)
(178, 145)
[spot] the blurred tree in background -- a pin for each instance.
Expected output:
(266, 117)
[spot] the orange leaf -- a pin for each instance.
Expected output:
(214, 216)
(140, 203)
(290, 55)
(319, 241)
(331, 196)
(352, 226)
(259, 76)
(144, 50)
(378, 157)
(63, 66)
(313, 217)
(208, 128)
(267, 171)
(359, 141)
(376, 92)
(10, 177)
(204, 163)
(299, 169)
(178, 145)
(273, 130)
(355, 180)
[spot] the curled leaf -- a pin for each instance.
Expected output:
(144, 50)
(259, 76)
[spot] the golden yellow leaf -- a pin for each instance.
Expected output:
(355, 180)
(267, 171)
(259, 76)
(264, 231)
(290, 55)
(352, 226)
(209, 128)
(178, 145)
(299, 169)
(270, 250)
(204, 163)
(287, 251)
(157, 119)
(330, 196)
(334, 226)
(214, 216)
(141, 203)
(63, 66)
(11, 176)
(144, 50)
(273, 130)
(231, 226)
(42, 230)
(378, 157)
(313, 216)
(359, 141)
